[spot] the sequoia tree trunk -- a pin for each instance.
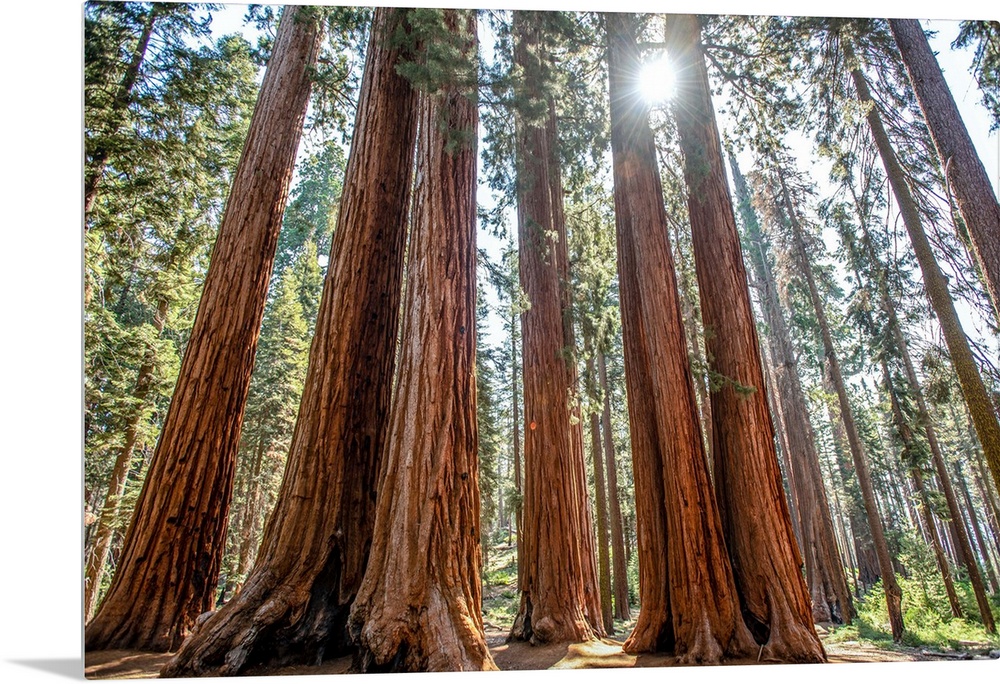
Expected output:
(758, 529)
(559, 590)
(418, 608)
(831, 597)
(294, 605)
(588, 548)
(893, 592)
(963, 168)
(984, 415)
(619, 572)
(515, 401)
(173, 548)
(688, 599)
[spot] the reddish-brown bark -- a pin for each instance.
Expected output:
(560, 600)
(601, 499)
(173, 548)
(295, 603)
(419, 604)
(755, 519)
(688, 603)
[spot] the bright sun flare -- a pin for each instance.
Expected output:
(656, 81)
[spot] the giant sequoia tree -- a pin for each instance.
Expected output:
(186, 117)
(679, 530)
(418, 607)
(170, 561)
(559, 588)
(755, 516)
(294, 605)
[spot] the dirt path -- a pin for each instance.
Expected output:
(510, 656)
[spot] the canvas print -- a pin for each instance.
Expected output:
(427, 339)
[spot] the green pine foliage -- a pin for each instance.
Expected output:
(170, 146)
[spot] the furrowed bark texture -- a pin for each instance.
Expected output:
(619, 572)
(419, 604)
(831, 598)
(962, 166)
(295, 603)
(893, 593)
(758, 529)
(984, 415)
(591, 585)
(560, 600)
(689, 603)
(173, 549)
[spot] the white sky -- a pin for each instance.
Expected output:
(40, 348)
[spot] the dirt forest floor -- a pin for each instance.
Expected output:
(521, 656)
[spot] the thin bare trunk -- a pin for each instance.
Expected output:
(619, 562)
(977, 529)
(601, 498)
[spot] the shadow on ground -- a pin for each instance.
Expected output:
(64, 667)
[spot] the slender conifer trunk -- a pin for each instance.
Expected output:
(984, 415)
(99, 155)
(893, 592)
(619, 573)
(119, 473)
(601, 498)
(963, 168)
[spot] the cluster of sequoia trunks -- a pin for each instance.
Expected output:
(373, 546)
